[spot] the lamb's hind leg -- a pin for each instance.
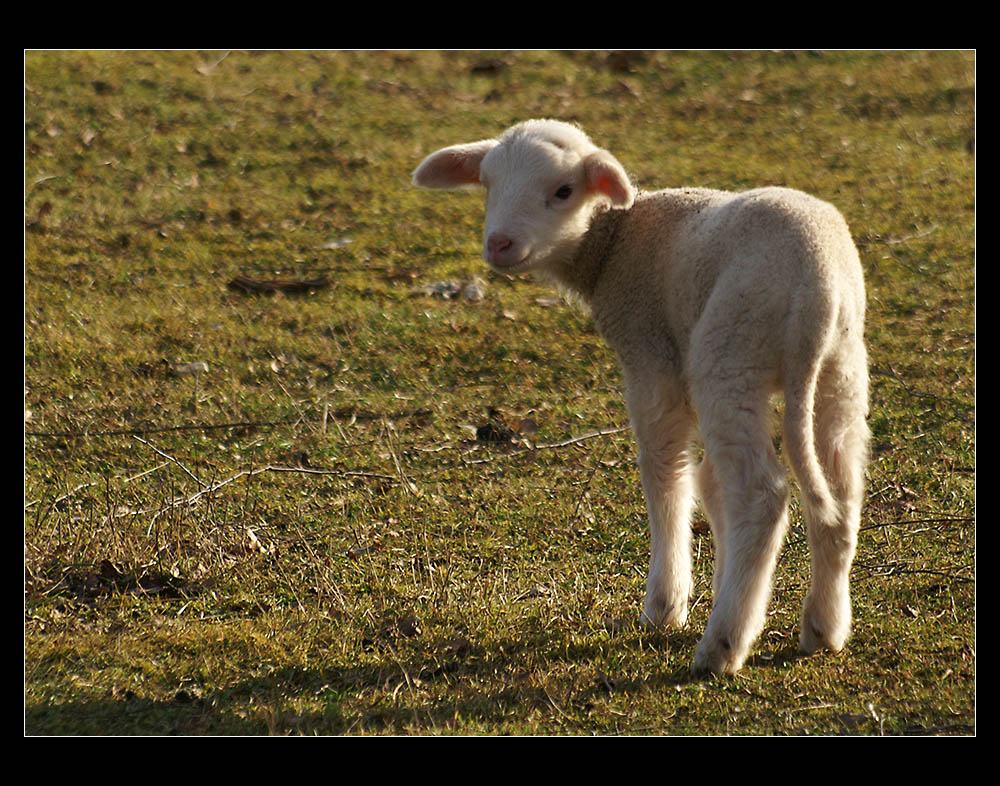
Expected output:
(753, 494)
(663, 427)
(712, 503)
(841, 437)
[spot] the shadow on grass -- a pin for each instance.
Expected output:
(543, 682)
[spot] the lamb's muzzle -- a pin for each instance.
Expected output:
(502, 251)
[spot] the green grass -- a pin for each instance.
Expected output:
(307, 538)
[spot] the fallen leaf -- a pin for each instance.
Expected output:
(289, 286)
(458, 647)
(183, 369)
(472, 290)
(492, 66)
(493, 432)
(332, 244)
(255, 544)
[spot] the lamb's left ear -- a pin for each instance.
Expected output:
(606, 176)
(453, 167)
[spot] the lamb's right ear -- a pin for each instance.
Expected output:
(453, 167)
(606, 176)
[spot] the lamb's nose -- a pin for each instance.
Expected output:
(498, 245)
(502, 249)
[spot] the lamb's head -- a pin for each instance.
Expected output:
(544, 179)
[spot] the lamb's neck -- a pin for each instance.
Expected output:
(580, 271)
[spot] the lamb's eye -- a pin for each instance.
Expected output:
(563, 192)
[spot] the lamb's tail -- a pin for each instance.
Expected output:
(809, 352)
(800, 446)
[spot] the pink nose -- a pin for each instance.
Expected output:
(501, 249)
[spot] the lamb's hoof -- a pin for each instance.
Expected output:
(813, 640)
(716, 655)
(658, 613)
(819, 634)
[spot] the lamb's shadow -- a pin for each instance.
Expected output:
(484, 686)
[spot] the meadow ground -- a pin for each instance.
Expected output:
(255, 500)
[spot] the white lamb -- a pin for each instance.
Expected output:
(713, 301)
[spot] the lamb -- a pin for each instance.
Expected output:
(713, 302)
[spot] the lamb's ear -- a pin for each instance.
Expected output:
(453, 167)
(606, 176)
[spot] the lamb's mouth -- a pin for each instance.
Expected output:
(513, 266)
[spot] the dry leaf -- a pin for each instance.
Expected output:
(288, 286)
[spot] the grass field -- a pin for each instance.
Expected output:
(268, 512)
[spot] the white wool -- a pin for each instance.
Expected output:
(713, 301)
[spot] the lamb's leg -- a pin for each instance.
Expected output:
(712, 502)
(754, 502)
(841, 435)
(663, 428)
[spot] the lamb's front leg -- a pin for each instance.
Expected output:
(663, 428)
(667, 485)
